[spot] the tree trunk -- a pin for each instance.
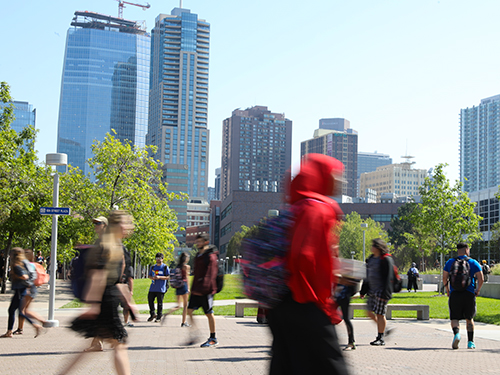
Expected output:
(6, 263)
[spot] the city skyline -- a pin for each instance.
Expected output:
(401, 86)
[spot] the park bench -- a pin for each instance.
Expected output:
(240, 306)
(422, 310)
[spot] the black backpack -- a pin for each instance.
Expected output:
(78, 271)
(459, 277)
(220, 276)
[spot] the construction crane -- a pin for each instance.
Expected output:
(121, 5)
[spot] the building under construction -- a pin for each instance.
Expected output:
(105, 84)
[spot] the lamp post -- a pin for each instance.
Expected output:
(364, 226)
(234, 263)
(227, 264)
(56, 160)
(352, 254)
(239, 263)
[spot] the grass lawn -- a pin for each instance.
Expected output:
(488, 308)
(232, 290)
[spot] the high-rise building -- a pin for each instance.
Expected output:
(178, 98)
(256, 151)
(399, 179)
(480, 145)
(24, 114)
(369, 161)
(105, 84)
(336, 138)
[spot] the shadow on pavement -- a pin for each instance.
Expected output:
(234, 359)
(37, 353)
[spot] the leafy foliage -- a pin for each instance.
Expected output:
(351, 236)
(234, 246)
(444, 217)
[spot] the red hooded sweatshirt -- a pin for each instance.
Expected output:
(312, 258)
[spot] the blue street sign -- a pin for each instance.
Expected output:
(55, 211)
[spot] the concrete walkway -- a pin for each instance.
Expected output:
(417, 347)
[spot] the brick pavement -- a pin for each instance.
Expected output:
(416, 347)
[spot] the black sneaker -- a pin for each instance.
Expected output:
(185, 325)
(151, 317)
(157, 320)
(378, 342)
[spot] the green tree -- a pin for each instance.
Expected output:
(24, 185)
(350, 235)
(128, 178)
(234, 246)
(444, 217)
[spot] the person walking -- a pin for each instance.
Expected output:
(31, 293)
(463, 279)
(348, 287)
(159, 275)
(378, 285)
(486, 271)
(20, 278)
(104, 269)
(303, 324)
(413, 276)
(204, 286)
(182, 292)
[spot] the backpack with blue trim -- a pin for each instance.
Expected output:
(264, 273)
(176, 278)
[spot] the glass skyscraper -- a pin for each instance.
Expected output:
(480, 145)
(105, 84)
(178, 99)
(24, 114)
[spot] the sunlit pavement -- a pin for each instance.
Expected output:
(419, 347)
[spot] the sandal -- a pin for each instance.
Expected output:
(350, 347)
(7, 335)
(18, 331)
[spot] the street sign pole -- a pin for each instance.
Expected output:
(53, 255)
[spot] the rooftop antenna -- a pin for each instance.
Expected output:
(408, 157)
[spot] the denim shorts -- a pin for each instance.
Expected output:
(182, 290)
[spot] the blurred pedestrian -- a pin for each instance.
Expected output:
(204, 287)
(182, 292)
(19, 276)
(304, 336)
(378, 285)
(105, 265)
(31, 293)
(348, 287)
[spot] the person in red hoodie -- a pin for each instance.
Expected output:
(304, 336)
(204, 286)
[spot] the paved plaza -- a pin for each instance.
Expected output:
(417, 347)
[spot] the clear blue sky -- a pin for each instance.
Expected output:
(400, 71)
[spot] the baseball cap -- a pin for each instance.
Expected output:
(100, 219)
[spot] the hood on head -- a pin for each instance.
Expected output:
(315, 178)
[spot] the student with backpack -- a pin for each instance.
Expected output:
(412, 277)
(381, 281)
(463, 279)
(159, 275)
(20, 278)
(486, 271)
(37, 277)
(303, 323)
(204, 286)
(179, 281)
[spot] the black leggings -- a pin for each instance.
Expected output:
(304, 341)
(344, 306)
(15, 303)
